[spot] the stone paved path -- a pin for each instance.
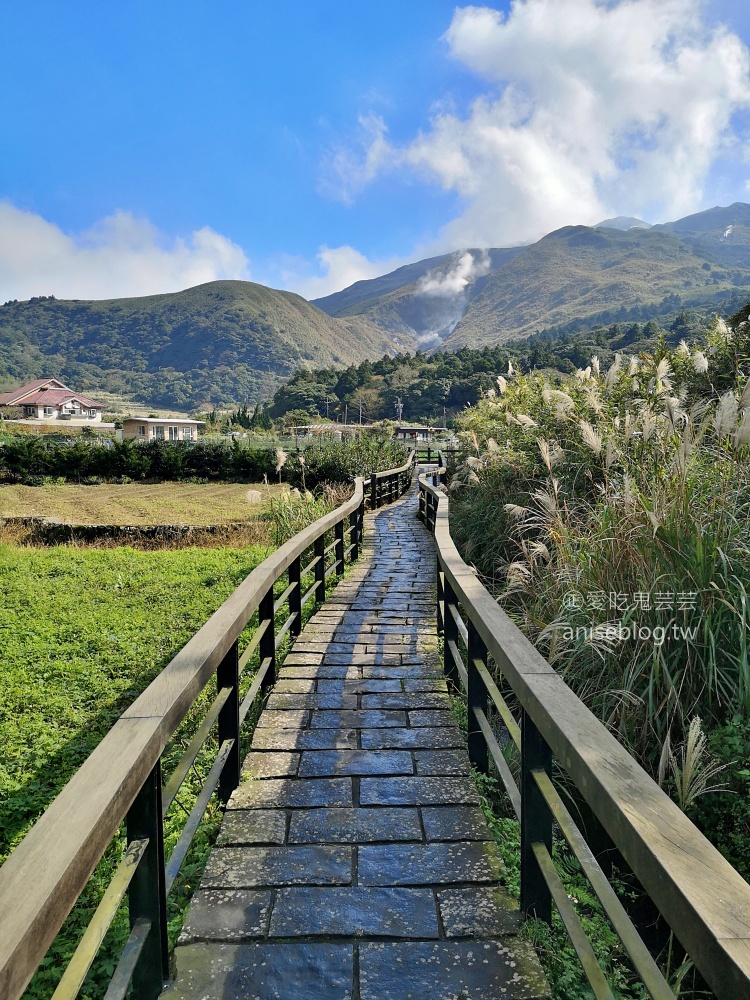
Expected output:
(353, 862)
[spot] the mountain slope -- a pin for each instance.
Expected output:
(580, 273)
(222, 341)
(575, 275)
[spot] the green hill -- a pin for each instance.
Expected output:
(222, 341)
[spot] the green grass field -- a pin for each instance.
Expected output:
(83, 631)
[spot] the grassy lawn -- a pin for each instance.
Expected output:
(134, 503)
(82, 633)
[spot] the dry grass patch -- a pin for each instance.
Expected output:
(136, 503)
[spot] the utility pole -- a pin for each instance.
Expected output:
(360, 413)
(399, 408)
(443, 416)
(346, 414)
(327, 402)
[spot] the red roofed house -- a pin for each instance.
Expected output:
(49, 399)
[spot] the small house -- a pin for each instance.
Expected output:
(50, 399)
(161, 428)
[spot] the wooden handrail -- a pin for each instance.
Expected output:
(44, 876)
(703, 899)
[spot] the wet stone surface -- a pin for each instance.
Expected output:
(236, 867)
(264, 971)
(357, 911)
(227, 915)
(417, 791)
(325, 762)
(354, 826)
(482, 970)
(253, 826)
(429, 864)
(456, 823)
(412, 739)
(355, 820)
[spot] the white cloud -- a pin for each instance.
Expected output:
(338, 268)
(119, 256)
(349, 168)
(591, 109)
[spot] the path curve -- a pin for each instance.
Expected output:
(354, 862)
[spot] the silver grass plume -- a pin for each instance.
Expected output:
(725, 418)
(590, 437)
(611, 377)
(595, 365)
(700, 363)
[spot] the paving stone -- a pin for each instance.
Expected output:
(451, 762)
(240, 868)
(363, 659)
(325, 762)
(402, 670)
(354, 825)
(269, 971)
(296, 685)
(355, 911)
(478, 911)
(358, 720)
(419, 699)
(226, 915)
(429, 864)
(305, 739)
(298, 701)
(455, 823)
(297, 658)
(361, 686)
(417, 791)
(430, 717)
(412, 739)
(320, 670)
(252, 826)
(451, 970)
(292, 793)
(283, 720)
(271, 765)
(425, 684)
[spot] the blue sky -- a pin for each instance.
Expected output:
(305, 144)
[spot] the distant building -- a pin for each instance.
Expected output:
(161, 428)
(416, 433)
(50, 399)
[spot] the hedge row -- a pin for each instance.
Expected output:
(36, 459)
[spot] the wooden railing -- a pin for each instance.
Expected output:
(121, 781)
(702, 898)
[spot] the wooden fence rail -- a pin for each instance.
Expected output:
(703, 899)
(121, 780)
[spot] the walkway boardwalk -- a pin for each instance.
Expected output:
(353, 860)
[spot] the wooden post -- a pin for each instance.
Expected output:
(320, 569)
(295, 598)
(147, 896)
(440, 596)
(450, 634)
(374, 492)
(476, 698)
(536, 822)
(267, 644)
(354, 523)
(228, 676)
(339, 547)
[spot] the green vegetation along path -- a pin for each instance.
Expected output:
(354, 860)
